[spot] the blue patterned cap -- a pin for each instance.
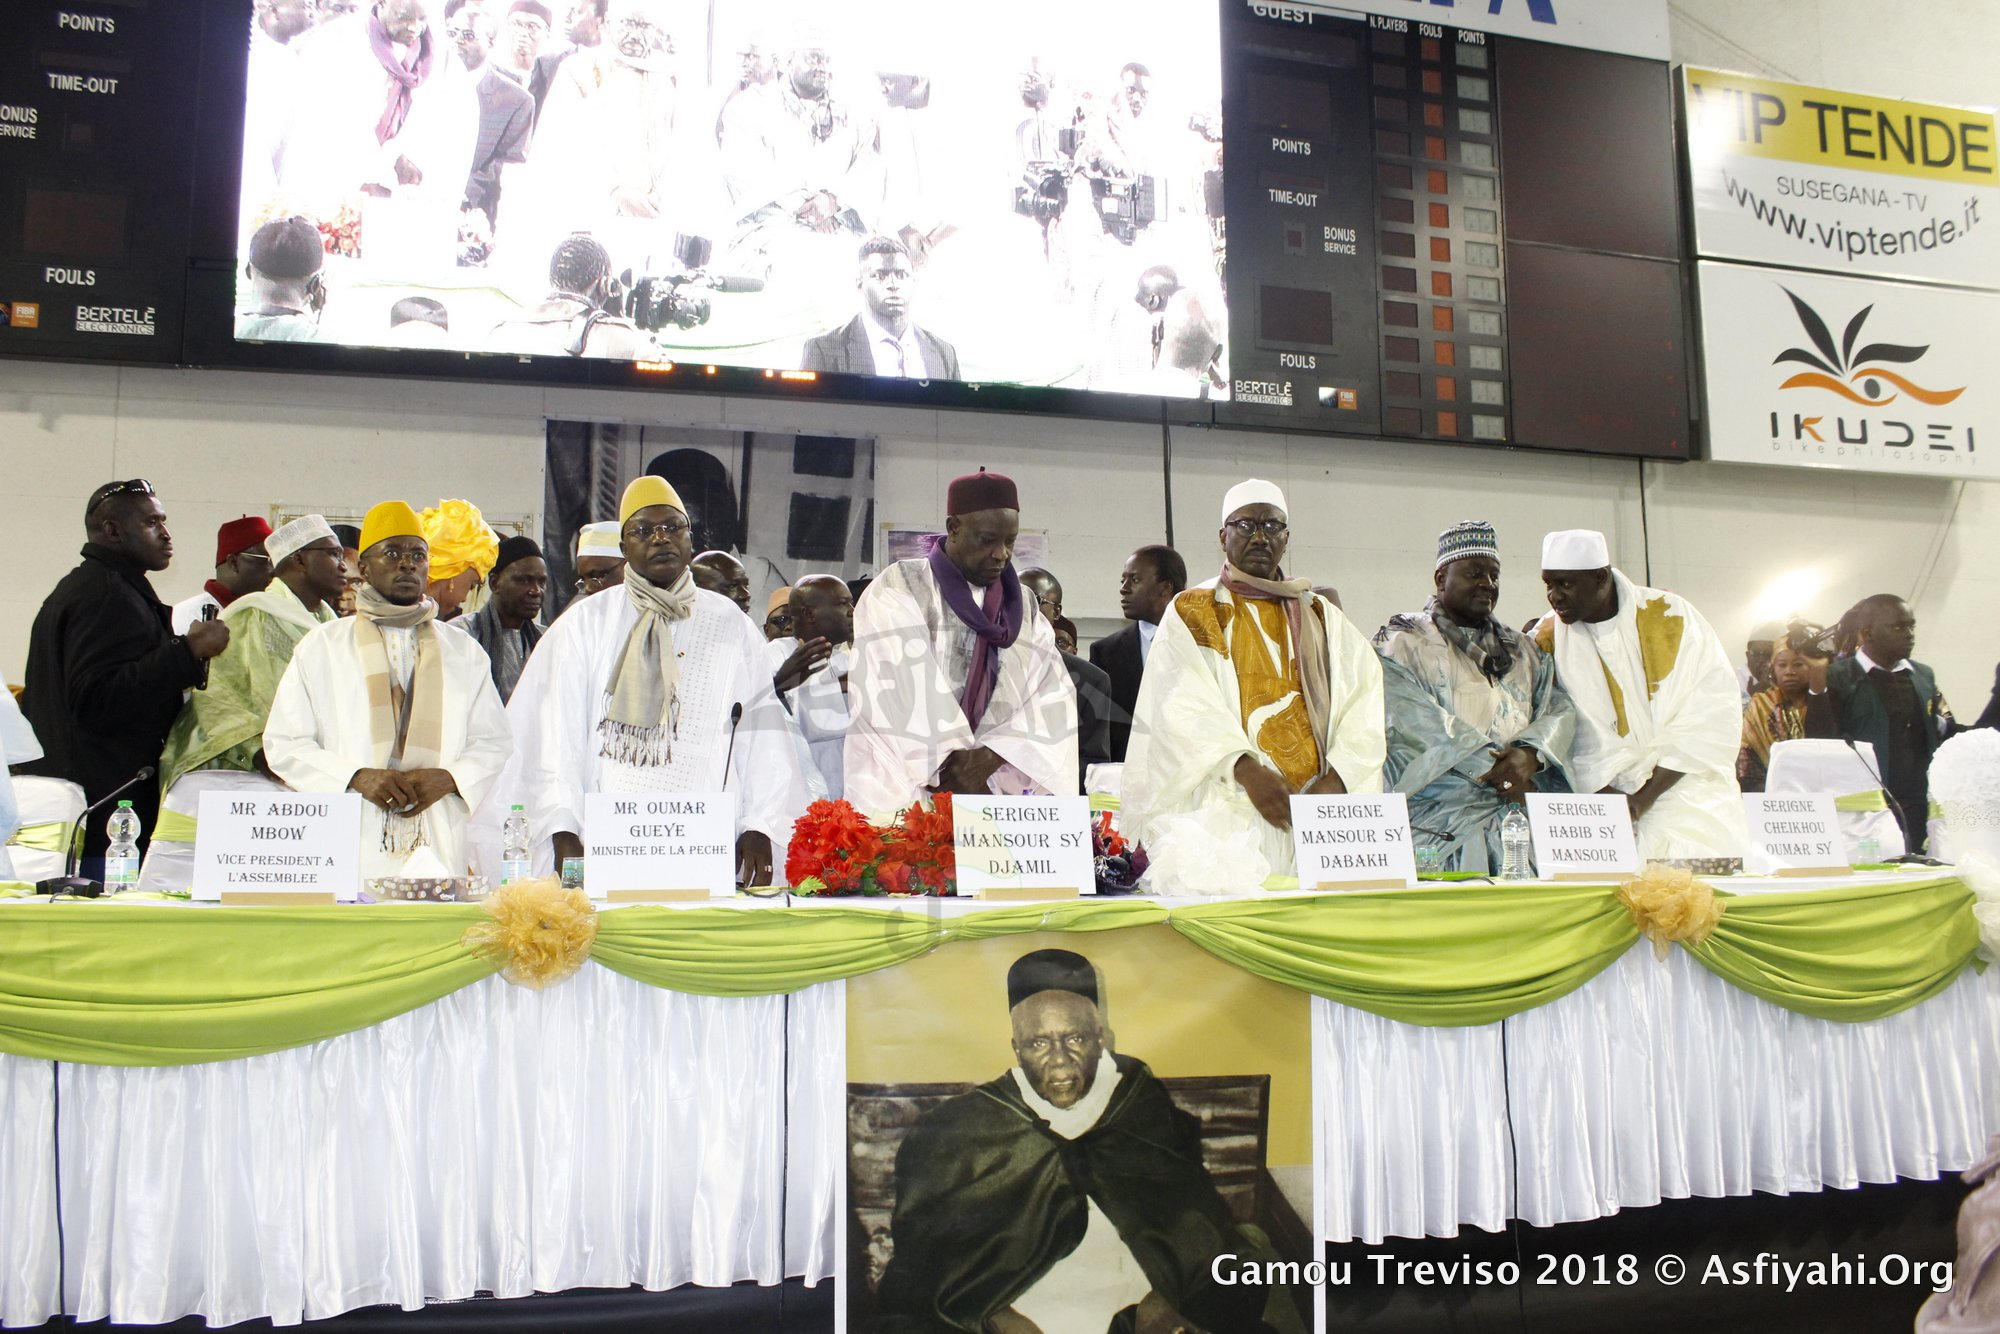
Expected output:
(1474, 537)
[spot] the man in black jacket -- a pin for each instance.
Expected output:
(1151, 578)
(105, 669)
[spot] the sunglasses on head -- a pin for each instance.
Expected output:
(138, 486)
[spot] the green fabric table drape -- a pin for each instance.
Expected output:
(132, 984)
(726, 952)
(1854, 953)
(1442, 954)
(138, 984)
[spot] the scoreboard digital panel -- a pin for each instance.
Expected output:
(96, 153)
(1424, 231)
(1464, 205)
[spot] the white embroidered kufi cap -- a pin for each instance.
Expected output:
(1575, 549)
(599, 539)
(300, 532)
(1255, 491)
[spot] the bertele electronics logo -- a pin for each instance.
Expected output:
(1859, 375)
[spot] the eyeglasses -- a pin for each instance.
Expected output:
(458, 32)
(251, 556)
(1268, 527)
(138, 486)
(599, 579)
(648, 532)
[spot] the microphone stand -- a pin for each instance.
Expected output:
(69, 882)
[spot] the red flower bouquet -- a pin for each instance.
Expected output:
(835, 850)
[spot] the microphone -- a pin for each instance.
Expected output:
(69, 882)
(1902, 812)
(208, 613)
(735, 717)
(735, 283)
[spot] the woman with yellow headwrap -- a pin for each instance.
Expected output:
(463, 550)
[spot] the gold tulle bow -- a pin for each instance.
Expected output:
(1668, 904)
(540, 933)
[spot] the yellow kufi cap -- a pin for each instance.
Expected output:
(646, 491)
(460, 539)
(391, 518)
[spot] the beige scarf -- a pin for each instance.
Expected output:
(1308, 625)
(642, 707)
(405, 728)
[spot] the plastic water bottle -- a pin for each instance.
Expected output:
(1517, 860)
(121, 859)
(514, 861)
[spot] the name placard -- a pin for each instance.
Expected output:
(1798, 831)
(1023, 847)
(1581, 838)
(277, 847)
(1353, 842)
(656, 847)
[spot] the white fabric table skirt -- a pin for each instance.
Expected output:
(1655, 1080)
(601, 1133)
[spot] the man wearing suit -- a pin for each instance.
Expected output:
(883, 339)
(1892, 703)
(1148, 583)
(1094, 709)
(506, 111)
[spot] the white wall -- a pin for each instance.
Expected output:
(1365, 513)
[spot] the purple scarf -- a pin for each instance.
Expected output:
(403, 78)
(996, 619)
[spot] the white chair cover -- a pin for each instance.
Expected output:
(169, 865)
(1842, 769)
(43, 801)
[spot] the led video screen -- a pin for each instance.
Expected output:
(1027, 194)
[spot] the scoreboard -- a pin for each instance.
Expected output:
(97, 150)
(1449, 234)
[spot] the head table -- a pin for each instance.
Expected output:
(293, 1112)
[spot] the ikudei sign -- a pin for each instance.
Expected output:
(1857, 374)
(1814, 178)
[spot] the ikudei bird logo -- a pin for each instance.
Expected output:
(1860, 374)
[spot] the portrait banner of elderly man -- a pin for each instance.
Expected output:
(957, 684)
(385, 704)
(1475, 717)
(656, 686)
(1658, 712)
(1256, 689)
(1078, 1190)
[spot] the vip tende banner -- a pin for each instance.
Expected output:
(1821, 179)
(1855, 373)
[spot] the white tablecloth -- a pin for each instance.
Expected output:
(605, 1133)
(597, 1134)
(1654, 1080)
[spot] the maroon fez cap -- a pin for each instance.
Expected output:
(239, 535)
(978, 491)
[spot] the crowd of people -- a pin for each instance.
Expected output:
(408, 661)
(597, 178)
